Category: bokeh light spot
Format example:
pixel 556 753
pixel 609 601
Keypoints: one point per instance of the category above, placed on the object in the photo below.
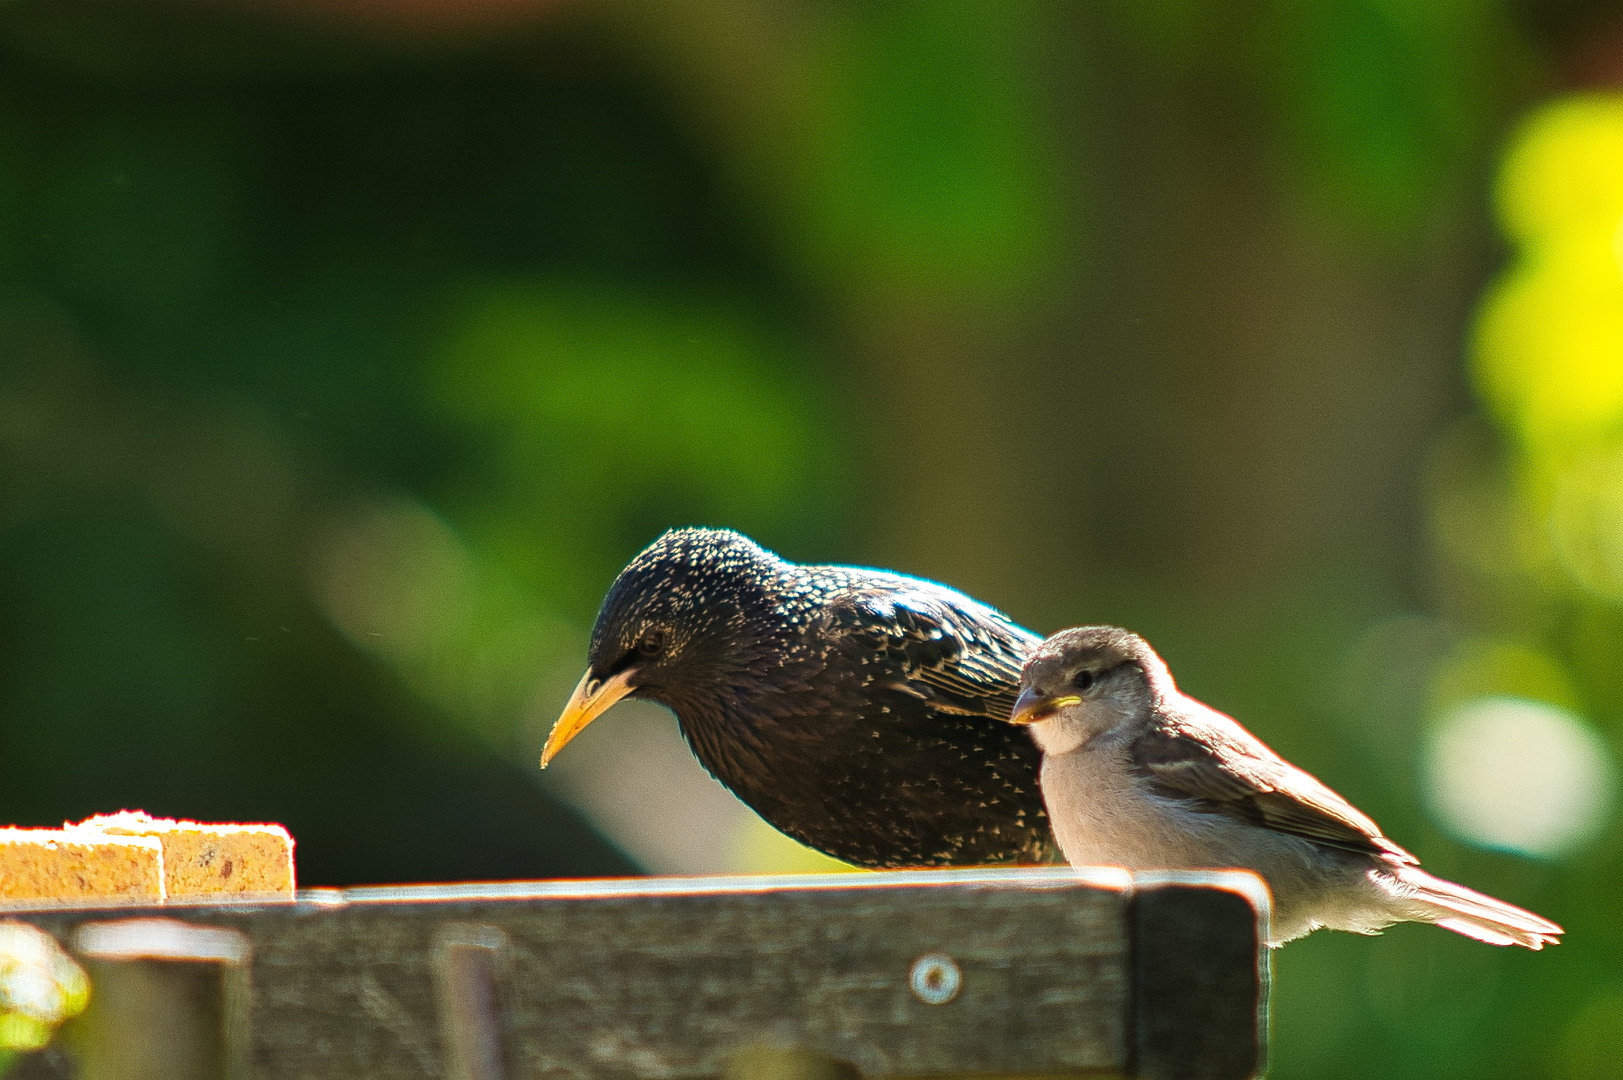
pixel 1564 171
pixel 1549 344
pixel 1518 775
pixel 40 987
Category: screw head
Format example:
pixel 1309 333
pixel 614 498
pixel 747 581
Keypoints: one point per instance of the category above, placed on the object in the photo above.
pixel 935 978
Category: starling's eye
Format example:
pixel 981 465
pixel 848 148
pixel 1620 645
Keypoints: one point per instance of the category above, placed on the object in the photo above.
pixel 652 642
pixel 1083 679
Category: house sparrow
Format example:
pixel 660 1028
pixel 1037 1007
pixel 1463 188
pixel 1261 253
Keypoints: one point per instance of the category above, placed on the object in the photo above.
pixel 1137 774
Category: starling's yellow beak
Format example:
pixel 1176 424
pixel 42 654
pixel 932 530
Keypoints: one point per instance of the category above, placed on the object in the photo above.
pixel 1034 705
pixel 590 700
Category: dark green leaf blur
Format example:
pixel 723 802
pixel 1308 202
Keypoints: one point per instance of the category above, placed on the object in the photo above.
pixel 348 348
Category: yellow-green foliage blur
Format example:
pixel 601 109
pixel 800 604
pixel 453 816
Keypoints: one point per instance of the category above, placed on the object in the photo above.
pixel 349 348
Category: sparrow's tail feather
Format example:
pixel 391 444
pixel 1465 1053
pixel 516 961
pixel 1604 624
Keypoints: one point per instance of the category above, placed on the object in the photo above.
pixel 1466 911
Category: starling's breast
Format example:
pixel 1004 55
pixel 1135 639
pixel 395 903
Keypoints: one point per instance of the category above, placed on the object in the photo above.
pixel 874 776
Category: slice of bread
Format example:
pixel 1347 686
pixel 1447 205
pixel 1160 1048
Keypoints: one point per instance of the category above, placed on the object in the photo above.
pixel 208 860
pixel 41 864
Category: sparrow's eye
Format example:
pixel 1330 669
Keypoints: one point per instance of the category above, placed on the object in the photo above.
pixel 1083 679
pixel 652 642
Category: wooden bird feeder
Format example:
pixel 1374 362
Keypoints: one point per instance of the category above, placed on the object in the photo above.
pixel 1024 972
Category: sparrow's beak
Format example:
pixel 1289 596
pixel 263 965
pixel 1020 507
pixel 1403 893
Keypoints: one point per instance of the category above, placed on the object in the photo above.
pixel 1034 705
pixel 591 699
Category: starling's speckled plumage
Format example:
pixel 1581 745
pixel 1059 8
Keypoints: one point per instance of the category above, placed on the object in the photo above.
pixel 864 713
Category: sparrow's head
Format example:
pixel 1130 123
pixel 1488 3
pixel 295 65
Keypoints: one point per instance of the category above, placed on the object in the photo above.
pixel 677 619
pixel 1091 677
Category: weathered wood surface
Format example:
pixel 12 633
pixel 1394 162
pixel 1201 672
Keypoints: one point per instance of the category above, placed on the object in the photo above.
pixel 1040 971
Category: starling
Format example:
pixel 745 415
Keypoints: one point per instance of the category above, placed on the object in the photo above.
pixel 861 712
pixel 1137 774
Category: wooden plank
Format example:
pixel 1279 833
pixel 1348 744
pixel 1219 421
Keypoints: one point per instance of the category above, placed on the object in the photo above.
pixel 1198 977
pixel 1037 971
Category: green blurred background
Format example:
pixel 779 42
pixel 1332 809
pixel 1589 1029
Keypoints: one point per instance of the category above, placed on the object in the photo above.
pixel 349 347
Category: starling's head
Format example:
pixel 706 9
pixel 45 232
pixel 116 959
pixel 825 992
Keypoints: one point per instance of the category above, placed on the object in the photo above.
pixel 1089 677
pixel 676 618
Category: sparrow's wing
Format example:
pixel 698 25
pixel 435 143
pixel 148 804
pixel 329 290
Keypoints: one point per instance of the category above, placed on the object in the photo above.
pixel 930 643
pixel 1200 755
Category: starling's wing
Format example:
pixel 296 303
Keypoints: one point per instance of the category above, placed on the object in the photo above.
pixel 1199 755
pixel 922 681
pixel 931 643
